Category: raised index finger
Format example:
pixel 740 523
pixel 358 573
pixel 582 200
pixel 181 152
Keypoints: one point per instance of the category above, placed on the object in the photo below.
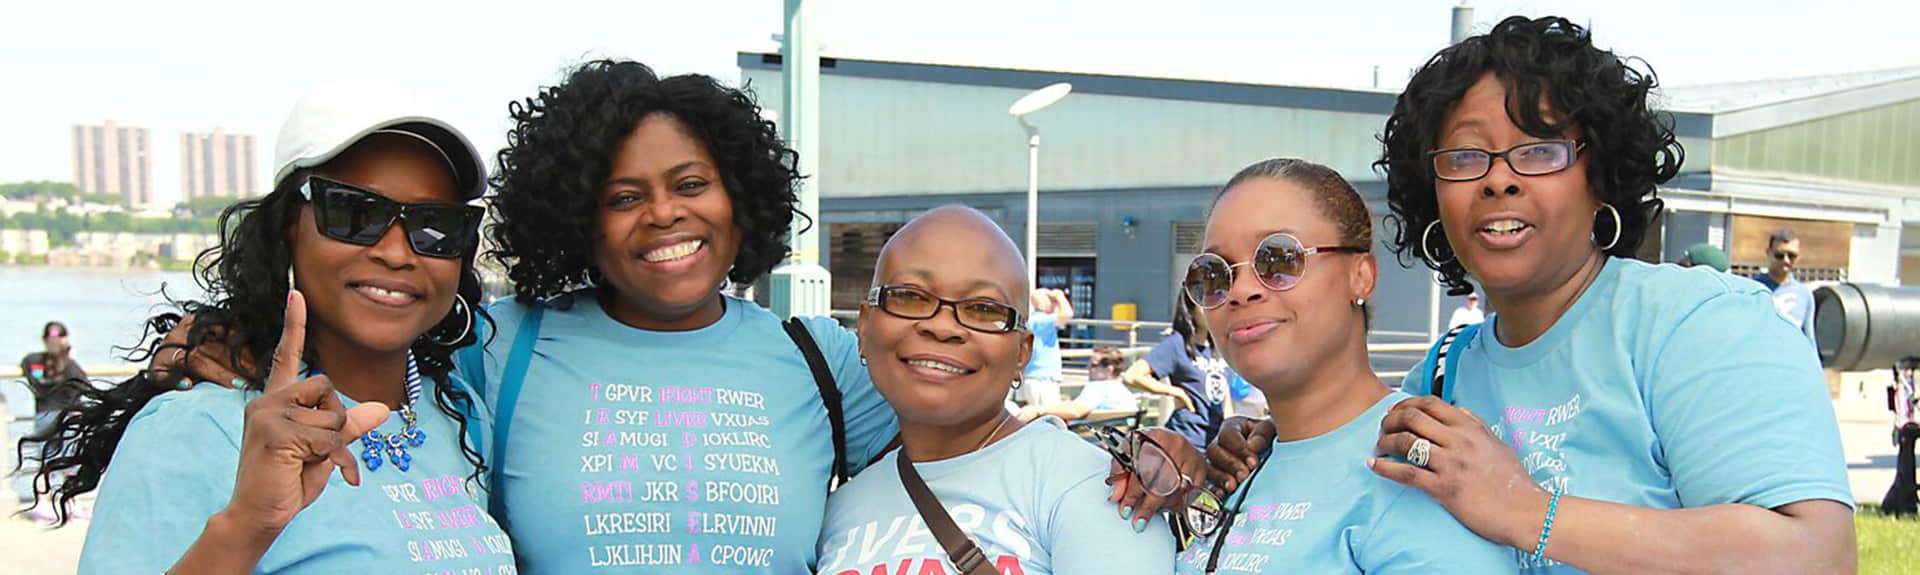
pixel 293 342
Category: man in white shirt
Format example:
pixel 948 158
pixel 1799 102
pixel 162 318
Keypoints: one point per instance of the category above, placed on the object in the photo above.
pixel 1467 314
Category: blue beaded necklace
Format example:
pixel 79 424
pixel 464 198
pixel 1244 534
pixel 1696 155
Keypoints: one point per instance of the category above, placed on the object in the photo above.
pixel 395 446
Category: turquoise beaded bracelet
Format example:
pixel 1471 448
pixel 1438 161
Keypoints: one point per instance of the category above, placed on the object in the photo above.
pixel 1547 527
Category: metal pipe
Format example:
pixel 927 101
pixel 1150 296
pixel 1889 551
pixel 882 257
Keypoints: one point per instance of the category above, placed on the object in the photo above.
pixel 1864 326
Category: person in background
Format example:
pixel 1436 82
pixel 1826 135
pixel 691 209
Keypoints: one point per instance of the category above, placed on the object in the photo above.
pixel 1248 400
pixel 1790 297
pixel 1051 312
pixel 1195 379
pixel 1104 391
pixel 1903 497
pixel 56 379
pixel 57 382
pixel 1467 314
pixel 1704 254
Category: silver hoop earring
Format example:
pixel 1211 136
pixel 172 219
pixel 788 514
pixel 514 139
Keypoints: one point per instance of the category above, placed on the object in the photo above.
pixel 1019 380
pixel 465 310
pixel 1426 247
pixel 1616 226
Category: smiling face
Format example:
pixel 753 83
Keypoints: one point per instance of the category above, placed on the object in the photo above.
pixel 935 371
pixel 1274 338
pixel 666 230
pixel 378 297
pixel 1517 235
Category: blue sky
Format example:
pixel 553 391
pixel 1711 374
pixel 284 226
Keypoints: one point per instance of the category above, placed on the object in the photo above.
pixel 193 65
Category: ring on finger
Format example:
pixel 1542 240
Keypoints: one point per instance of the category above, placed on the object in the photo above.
pixel 1420 453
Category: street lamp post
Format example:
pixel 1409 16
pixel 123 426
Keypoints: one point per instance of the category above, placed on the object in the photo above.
pixel 1033 102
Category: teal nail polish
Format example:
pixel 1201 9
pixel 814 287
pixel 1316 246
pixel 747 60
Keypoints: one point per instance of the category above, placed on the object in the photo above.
pixel 1126 512
pixel 1140 525
pixel 238 383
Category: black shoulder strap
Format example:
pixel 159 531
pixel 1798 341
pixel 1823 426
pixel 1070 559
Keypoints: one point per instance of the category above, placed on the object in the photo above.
pixel 961 550
pixel 829 394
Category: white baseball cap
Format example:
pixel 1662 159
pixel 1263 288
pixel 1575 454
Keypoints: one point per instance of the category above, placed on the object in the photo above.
pixel 333 118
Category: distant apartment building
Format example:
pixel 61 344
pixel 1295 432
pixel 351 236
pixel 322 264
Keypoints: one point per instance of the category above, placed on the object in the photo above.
pixel 217 164
pixel 124 249
pixel 114 159
pixel 23 243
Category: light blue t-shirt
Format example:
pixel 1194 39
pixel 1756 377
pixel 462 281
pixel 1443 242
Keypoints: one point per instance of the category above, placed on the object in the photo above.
pixel 1661 387
pixel 175 467
pixel 704 451
pixel 1035 502
pixel 1045 363
pixel 1316 508
pixel 1107 395
pixel 1794 301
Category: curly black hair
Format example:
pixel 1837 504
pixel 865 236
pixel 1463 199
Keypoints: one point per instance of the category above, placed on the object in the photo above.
pixel 1631 146
pixel 245 278
pixel 560 151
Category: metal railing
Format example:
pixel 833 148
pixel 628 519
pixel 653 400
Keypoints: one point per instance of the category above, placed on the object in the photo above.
pixel 116 371
pixel 1139 336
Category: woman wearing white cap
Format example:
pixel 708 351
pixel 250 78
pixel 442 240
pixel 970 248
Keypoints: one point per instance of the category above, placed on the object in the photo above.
pixel 353 276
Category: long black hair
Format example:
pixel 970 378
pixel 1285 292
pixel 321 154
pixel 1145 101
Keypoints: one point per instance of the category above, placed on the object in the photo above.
pixel 1632 147
pixel 246 279
pixel 561 149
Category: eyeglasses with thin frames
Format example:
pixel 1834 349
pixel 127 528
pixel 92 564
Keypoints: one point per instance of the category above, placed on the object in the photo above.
pixel 1529 159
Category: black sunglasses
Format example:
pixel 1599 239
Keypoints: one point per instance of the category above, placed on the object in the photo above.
pixel 360 216
pixel 978 314
pixel 1279 262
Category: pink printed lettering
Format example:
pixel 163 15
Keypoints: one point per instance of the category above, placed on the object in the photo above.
pixel 611 491
pixel 436 488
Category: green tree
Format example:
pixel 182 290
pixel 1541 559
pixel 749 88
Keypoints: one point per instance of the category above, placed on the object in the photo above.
pixel 37 189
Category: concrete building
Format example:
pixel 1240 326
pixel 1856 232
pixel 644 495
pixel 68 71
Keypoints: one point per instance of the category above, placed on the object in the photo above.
pixel 1834 158
pixel 24 243
pixel 217 164
pixel 1128 165
pixel 126 249
pixel 115 160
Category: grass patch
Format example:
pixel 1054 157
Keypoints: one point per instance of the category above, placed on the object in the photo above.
pixel 1887 544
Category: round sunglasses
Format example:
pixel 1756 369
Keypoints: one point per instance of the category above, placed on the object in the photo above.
pixel 1278 262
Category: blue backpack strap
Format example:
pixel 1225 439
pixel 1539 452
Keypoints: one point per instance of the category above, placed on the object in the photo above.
pixel 510 383
pixel 1447 362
